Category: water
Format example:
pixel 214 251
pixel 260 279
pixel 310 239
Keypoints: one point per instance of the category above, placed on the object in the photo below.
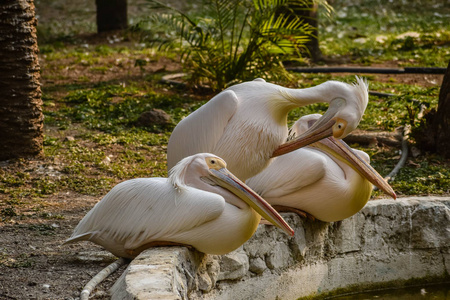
pixel 430 292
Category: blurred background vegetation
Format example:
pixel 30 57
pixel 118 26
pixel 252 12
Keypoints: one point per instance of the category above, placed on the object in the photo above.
pixel 96 86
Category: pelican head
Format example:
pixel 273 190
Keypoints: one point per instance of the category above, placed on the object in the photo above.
pixel 356 159
pixel 347 105
pixel 213 172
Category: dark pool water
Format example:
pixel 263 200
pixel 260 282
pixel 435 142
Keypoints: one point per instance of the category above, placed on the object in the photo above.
pixel 435 292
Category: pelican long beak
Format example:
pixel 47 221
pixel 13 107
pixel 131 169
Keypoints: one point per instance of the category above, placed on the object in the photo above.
pixel 340 149
pixel 225 179
pixel 321 129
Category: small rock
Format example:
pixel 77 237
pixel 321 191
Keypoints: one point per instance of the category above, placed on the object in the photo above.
pixel 233 266
pixel 69 139
pixel 46 288
pixel 153 117
pixel 204 282
pixel 213 269
pixel 279 257
pixel 257 265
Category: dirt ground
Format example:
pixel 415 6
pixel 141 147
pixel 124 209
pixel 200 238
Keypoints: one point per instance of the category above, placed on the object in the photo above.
pixel 36 266
pixel 33 262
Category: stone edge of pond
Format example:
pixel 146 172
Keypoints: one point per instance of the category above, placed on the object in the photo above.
pixel 388 243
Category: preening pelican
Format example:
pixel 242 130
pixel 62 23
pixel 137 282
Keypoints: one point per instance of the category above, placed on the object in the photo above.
pixel 327 179
pixel 247 122
pixel 200 204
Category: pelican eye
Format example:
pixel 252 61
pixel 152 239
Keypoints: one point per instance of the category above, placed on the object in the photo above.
pixel 215 163
pixel 339 128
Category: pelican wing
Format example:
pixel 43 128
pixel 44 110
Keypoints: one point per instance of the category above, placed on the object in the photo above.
pixel 138 211
pixel 289 173
pixel 202 129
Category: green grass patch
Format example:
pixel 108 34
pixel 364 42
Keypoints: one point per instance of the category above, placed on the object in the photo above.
pixel 413 33
pixel 112 108
pixel 423 175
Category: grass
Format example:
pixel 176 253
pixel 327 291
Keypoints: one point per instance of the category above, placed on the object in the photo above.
pixel 415 34
pixel 94 93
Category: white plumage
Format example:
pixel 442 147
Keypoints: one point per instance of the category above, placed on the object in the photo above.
pixel 247 122
pixel 190 207
pixel 318 179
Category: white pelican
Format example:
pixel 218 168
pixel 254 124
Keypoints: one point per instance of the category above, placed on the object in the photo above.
pixel 200 204
pixel 328 180
pixel 247 122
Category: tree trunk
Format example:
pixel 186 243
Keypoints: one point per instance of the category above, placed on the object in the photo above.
pixel 21 119
pixel 111 15
pixel 306 11
pixel 309 14
pixel 441 122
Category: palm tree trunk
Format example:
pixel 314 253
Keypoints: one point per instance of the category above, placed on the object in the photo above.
pixel 309 13
pixel 21 119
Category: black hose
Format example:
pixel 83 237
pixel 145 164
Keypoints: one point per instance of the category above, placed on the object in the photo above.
pixel 406 70
pixel 380 94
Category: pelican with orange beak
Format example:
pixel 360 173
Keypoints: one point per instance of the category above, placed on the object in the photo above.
pixel 326 180
pixel 200 204
pixel 246 124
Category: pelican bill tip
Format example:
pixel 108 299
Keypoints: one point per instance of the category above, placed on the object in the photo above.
pixel 287 228
pixel 289 231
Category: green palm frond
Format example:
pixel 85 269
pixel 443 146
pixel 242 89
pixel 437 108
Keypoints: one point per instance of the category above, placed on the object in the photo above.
pixel 234 39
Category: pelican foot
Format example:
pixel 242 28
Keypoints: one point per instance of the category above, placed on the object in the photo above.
pixel 301 213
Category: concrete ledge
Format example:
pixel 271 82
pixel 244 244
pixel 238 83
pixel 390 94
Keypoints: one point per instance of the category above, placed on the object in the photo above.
pixel 387 243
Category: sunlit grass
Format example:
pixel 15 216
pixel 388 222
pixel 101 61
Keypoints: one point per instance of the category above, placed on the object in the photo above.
pixel 413 33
